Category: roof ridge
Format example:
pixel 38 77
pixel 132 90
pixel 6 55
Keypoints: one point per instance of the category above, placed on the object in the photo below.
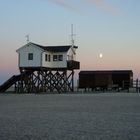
pixel 52 48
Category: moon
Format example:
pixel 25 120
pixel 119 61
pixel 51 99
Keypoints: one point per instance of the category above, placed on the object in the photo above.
pixel 100 55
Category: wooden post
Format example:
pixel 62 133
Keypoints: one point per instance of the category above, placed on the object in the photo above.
pixel 72 80
pixel 45 80
pixel 137 85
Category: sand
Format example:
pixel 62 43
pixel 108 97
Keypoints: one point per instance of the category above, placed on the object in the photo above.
pixel 102 116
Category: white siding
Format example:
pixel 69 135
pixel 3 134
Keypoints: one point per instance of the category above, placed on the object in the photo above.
pixel 46 63
pixel 71 55
pixel 23 53
pixel 55 64
pixel 39 57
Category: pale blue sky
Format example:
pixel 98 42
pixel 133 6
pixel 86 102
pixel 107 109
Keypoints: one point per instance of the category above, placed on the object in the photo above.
pixel 111 27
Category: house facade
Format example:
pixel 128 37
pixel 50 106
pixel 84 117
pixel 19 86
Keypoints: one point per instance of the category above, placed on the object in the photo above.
pixel 33 55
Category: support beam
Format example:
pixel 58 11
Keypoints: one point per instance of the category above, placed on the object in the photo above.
pixel 45 81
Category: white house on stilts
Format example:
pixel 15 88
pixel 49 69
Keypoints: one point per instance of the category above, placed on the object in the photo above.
pixel 46 68
pixel 34 56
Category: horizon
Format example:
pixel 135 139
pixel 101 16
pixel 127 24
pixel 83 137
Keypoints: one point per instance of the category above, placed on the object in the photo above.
pixel 107 32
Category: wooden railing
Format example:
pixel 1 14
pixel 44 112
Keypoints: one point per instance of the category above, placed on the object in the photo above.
pixel 71 64
pixel 136 84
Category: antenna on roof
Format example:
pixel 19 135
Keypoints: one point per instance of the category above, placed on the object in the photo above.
pixel 27 38
pixel 72 43
pixel 72 36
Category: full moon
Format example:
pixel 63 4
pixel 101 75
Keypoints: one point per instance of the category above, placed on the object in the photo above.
pixel 100 55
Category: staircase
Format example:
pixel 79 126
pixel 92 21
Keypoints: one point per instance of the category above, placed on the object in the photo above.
pixel 9 83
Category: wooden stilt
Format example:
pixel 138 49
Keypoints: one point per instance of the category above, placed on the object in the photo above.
pixel 45 81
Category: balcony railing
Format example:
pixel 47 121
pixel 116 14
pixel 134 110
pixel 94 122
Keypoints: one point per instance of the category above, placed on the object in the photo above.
pixel 71 64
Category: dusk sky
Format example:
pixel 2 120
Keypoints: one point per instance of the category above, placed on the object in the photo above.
pixel 110 27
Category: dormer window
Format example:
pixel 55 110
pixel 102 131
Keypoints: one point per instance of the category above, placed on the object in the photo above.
pixel 30 56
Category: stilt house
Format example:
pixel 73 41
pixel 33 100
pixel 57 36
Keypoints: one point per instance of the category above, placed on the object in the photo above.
pixel 44 69
pixel 36 56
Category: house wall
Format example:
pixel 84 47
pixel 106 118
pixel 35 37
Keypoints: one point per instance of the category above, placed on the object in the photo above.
pixel 39 57
pixel 23 56
pixel 46 63
pixel 54 64
pixel 71 55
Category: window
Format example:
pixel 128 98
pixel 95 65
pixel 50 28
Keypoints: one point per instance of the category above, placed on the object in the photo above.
pixel 54 57
pixel 60 57
pixel 30 56
pixel 47 57
pixel 57 57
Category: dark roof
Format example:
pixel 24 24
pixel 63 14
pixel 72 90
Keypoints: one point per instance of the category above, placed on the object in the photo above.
pixel 107 72
pixel 57 48
pixel 63 48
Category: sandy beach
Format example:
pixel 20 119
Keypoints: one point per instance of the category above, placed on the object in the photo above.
pixel 101 116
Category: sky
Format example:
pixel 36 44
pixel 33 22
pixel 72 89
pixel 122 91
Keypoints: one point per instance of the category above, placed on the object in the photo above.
pixel 110 27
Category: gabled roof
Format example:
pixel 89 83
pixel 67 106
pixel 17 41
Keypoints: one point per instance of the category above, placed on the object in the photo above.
pixel 63 48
